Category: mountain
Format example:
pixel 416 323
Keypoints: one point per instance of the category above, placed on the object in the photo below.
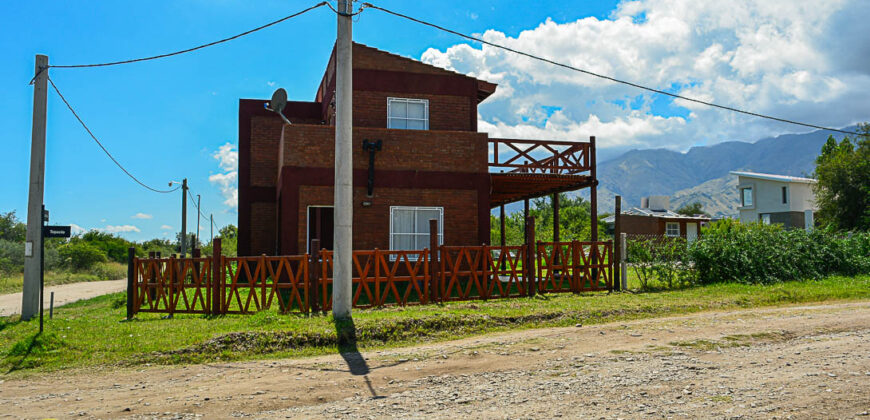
pixel 701 173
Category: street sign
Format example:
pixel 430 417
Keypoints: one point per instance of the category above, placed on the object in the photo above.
pixel 56 231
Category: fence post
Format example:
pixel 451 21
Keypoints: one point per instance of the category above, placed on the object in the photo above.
pixel 532 252
pixel 622 262
pixel 131 281
pixel 173 277
pixel 575 265
pixel 217 271
pixel 434 279
pixel 616 257
pixel 314 277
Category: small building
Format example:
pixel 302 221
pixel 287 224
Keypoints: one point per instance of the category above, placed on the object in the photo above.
pixel 780 199
pixel 654 218
pixel 417 155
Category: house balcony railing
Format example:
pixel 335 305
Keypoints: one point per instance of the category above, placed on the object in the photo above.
pixel 541 156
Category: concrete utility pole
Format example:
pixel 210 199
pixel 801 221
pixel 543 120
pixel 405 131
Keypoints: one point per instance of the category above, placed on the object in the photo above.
pixel 343 222
pixel 33 245
pixel 183 217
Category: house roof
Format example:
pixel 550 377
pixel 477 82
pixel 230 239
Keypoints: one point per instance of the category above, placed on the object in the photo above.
pixel 663 214
pixel 772 177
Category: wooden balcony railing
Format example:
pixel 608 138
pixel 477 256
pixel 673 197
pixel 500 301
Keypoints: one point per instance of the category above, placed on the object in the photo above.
pixel 541 156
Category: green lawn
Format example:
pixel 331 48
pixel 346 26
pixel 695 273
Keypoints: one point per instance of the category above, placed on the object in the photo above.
pixel 11 283
pixel 89 333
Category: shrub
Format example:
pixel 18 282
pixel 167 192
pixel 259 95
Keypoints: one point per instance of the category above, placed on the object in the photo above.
pixel 662 258
pixel 81 255
pixel 758 253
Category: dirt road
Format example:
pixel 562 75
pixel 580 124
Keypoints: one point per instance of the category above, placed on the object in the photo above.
pixel 797 362
pixel 65 293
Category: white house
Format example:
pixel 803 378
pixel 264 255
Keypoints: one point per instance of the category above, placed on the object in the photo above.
pixel 786 200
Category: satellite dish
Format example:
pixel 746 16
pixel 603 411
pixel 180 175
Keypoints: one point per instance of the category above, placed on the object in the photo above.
pixel 279 101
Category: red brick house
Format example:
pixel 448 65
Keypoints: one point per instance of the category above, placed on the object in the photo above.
pixel 429 161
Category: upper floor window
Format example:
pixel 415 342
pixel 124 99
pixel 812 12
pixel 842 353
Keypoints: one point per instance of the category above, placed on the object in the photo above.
pixel 784 195
pixel 746 196
pixel 409 114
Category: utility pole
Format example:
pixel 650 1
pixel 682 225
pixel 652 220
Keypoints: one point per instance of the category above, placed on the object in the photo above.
pixel 183 217
pixel 33 246
pixel 343 222
pixel 198 213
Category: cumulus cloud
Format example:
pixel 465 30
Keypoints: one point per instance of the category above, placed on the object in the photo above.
pixel 141 216
pixel 785 60
pixel 120 229
pixel 227 180
pixel 166 227
pixel 76 229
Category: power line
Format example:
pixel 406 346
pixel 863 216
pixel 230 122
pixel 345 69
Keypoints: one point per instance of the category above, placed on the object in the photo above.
pixel 556 63
pixel 135 60
pixel 101 144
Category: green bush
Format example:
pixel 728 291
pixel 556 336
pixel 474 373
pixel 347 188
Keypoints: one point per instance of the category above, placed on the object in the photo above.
pixel 109 271
pixel 659 258
pixel 81 255
pixel 729 251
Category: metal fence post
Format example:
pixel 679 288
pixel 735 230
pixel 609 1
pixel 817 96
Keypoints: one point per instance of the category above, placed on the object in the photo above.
pixel 622 262
pixel 131 281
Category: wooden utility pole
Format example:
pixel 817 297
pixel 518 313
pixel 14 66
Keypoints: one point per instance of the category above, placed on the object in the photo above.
pixel 183 217
pixel 33 246
pixel 617 248
pixel 343 222
pixel 593 203
pixel 198 213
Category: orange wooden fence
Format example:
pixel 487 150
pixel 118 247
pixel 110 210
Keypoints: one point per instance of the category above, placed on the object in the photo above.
pixel 303 283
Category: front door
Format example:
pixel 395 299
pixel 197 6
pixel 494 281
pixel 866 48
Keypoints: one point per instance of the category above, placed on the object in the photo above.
pixel 320 226
pixel 691 232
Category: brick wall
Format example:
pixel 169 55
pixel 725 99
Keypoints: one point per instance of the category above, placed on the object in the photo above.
pixel 372 224
pixel 313 146
pixel 262 228
pixel 446 112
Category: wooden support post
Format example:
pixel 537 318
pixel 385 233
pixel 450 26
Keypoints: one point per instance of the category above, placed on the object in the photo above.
pixel 622 264
pixel 131 281
pixel 173 277
pixel 195 253
pixel 502 242
pixel 314 277
pixel 556 237
pixel 617 250
pixel 434 266
pixel 531 246
pixel 593 202
pixel 217 277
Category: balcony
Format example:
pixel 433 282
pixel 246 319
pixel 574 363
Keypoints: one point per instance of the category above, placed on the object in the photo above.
pixel 524 169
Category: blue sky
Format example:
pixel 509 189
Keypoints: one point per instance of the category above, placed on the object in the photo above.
pixel 165 119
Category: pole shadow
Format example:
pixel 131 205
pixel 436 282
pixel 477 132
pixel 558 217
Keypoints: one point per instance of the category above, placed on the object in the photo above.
pixel 347 347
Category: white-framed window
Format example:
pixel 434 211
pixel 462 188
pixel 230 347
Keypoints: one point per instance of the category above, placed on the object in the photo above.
pixel 409 227
pixel 672 229
pixel 408 114
pixel 765 218
pixel 746 196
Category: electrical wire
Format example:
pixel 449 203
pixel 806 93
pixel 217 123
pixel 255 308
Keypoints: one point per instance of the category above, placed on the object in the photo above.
pixel 136 60
pixel 612 79
pixel 101 144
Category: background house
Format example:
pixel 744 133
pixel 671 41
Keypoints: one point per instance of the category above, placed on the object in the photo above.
pixel 655 218
pixel 768 198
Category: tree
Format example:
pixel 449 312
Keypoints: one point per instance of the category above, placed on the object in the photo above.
pixel 81 255
pixel 11 229
pixel 692 209
pixel 843 188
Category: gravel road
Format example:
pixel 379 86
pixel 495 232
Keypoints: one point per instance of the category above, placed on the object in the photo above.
pixel 65 293
pixel 792 362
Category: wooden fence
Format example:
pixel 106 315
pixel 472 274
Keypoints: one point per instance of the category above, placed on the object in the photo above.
pixel 303 283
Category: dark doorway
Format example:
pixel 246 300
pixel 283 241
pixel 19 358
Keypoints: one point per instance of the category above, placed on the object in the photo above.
pixel 320 226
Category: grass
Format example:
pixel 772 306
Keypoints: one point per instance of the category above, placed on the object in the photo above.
pixel 11 283
pixel 89 334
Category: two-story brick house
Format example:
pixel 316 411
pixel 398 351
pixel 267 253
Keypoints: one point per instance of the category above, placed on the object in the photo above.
pixel 429 161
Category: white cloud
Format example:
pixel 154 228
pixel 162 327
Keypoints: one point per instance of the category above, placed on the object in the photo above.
pixel 120 228
pixel 141 216
pixel 166 227
pixel 76 229
pixel 792 61
pixel 227 180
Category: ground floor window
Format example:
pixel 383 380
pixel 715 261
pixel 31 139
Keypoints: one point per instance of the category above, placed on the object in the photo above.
pixel 672 229
pixel 409 226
